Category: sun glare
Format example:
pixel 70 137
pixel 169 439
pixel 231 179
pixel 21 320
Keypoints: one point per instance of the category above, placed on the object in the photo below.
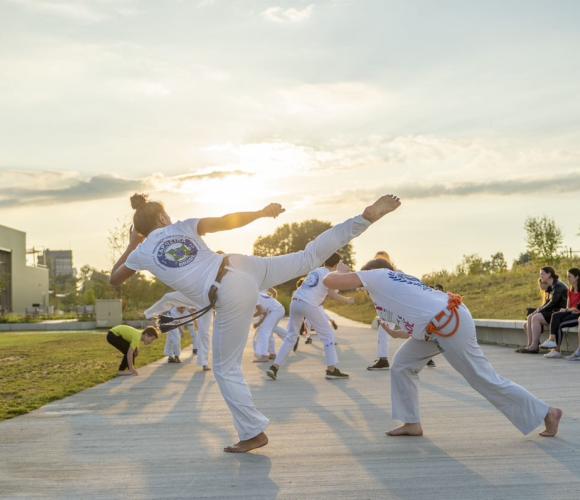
pixel 230 193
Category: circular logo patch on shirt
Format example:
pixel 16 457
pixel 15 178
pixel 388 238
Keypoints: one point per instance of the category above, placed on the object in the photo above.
pixel 312 280
pixel 176 252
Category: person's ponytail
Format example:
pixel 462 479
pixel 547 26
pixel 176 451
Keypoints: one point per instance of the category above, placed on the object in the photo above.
pixel 146 217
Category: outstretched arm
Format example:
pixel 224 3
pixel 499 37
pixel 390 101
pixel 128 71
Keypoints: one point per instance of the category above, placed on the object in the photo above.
pixel 238 219
pixel 393 332
pixel 334 295
pixel 342 281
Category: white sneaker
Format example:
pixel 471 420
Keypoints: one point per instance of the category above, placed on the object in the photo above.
pixel 549 344
pixel 553 355
pixel 574 357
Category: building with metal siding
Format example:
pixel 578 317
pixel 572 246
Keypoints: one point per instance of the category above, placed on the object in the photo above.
pixel 22 287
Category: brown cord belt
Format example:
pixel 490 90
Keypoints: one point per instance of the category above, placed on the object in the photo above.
pixel 167 323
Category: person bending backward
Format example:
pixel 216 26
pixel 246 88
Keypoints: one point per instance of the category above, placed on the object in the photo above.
pixel 270 312
pixel 126 339
pixel 307 304
pixel 435 322
pixel 176 254
pixel 178 300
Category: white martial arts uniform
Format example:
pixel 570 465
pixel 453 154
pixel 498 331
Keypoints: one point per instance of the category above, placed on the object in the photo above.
pixel 177 255
pixel 172 299
pixel 265 343
pixel 173 337
pixel 415 305
pixel 382 343
pixel 202 338
pixel 307 304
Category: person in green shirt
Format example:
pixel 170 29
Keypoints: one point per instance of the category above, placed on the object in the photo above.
pixel 126 339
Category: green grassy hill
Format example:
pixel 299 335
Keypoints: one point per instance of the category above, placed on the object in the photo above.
pixel 504 295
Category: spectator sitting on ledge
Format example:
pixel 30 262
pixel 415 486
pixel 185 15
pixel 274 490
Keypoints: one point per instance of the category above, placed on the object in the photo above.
pixel 541 318
pixel 564 318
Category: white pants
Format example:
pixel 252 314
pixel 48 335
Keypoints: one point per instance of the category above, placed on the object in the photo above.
pixel 235 308
pixel 199 338
pixel 299 311
pixel 264 334
pixel 201 341
pixel 463 353
pixel 173 343
pixel 281 332
pixel 383 343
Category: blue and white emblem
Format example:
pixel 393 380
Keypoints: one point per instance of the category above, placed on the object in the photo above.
pixel 176 252
pixel 312 280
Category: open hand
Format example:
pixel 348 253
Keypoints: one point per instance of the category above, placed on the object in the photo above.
pixel 273 210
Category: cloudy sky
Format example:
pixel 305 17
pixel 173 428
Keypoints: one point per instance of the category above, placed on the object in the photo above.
pixel 470 111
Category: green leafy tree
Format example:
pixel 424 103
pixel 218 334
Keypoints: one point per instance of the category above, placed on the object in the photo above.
pixel 497 263
pixel 472 264
pixel 523 259
pixel 294 237
pixel 544 237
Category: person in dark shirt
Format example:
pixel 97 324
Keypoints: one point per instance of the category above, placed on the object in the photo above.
pixel 540 319
pixel 564 318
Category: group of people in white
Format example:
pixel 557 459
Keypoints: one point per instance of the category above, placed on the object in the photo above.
pixel 235 289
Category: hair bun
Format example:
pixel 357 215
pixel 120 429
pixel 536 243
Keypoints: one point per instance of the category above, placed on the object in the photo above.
pixel 138 200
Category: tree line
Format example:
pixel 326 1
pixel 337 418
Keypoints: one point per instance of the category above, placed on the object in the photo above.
pixel 544 241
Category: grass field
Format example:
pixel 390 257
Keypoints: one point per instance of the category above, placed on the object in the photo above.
pixel 37 368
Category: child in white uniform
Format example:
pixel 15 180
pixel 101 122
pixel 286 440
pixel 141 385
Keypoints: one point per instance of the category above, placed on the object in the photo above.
pixel 173 299
pixel 307 304
pixel 270 312
pixel 173 337
pixel 177 255
pixel 435 322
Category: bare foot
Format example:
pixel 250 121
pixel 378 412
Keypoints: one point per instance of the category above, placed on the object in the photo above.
pixel 381 207
pixel 248 444
pixel 552 422
pixel 407 430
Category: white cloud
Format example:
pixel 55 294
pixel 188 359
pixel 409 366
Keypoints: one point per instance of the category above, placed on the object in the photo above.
pixel 80 10
pixel 330 100
pixel 289 15
pixel 21 188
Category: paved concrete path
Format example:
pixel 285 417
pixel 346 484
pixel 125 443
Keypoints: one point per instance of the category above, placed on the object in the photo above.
pixel 160 435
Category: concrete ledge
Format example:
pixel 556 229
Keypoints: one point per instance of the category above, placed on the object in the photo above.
pixel 511 333
pixel 500 323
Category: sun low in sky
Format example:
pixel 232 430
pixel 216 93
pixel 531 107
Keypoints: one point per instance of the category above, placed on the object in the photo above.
pixel 468 111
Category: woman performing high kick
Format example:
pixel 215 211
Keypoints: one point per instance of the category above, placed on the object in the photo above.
pixel 176 254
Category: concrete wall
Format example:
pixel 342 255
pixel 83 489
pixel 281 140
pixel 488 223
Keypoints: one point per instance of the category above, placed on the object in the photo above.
pixel 29 284
pixel 511 333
